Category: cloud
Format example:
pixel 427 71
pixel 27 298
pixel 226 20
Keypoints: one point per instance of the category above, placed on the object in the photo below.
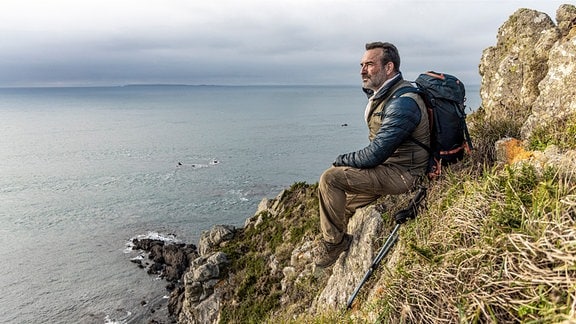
pixel 104 42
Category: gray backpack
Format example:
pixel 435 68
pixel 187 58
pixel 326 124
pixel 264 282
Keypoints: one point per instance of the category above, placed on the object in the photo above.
pixel 444 95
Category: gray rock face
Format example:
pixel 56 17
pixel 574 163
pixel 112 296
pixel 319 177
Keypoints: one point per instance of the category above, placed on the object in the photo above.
pixel 210 240
pixel 368 229
pixel 512 69
pixel 557 98
pixel 529 74
pixel 201 300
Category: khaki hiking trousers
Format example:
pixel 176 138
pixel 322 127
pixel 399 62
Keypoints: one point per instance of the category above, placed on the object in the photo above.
pixel 343 189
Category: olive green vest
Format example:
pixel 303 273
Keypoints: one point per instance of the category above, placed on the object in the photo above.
pixel 409 154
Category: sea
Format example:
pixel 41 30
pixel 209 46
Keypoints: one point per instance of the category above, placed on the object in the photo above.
pixel 85 170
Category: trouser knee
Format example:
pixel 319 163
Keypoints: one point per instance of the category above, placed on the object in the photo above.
pixel 329 178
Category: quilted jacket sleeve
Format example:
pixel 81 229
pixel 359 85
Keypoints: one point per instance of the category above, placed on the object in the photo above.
pixel 401 117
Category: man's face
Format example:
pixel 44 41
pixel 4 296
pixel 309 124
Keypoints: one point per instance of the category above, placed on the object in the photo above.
pixel 373 73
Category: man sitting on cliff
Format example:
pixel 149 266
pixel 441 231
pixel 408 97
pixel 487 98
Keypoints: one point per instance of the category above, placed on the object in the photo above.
pixel 390 164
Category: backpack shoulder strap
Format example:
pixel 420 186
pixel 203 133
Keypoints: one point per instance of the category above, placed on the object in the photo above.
pixel 404 90
pixel 422 94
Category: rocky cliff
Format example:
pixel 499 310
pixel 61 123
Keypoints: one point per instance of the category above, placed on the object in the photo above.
pixel 529 74
pixel 496 242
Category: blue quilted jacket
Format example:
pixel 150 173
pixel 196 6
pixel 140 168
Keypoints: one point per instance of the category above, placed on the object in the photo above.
pixel 392 121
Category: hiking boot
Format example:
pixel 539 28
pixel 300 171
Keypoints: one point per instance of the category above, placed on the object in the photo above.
pixel 328 253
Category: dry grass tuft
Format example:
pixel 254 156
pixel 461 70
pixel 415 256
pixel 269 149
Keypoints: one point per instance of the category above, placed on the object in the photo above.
pixel 496 249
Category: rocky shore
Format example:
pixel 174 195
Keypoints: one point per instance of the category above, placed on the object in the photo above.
pixel 166 260
pixel 173 261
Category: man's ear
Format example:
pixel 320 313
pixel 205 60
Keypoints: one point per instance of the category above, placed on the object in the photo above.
pixel 389 68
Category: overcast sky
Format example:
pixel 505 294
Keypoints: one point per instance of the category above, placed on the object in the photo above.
pixel 115 42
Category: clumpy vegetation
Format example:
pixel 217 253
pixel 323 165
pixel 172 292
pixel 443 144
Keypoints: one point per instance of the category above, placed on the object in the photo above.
pixel 503 251
pixel 258 286
pixel 562 134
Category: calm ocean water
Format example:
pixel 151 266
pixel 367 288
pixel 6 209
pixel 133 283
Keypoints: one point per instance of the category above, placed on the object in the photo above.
pixel 84 170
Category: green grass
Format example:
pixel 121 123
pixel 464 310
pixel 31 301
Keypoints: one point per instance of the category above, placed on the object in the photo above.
pixel 257 290
pixel 561 134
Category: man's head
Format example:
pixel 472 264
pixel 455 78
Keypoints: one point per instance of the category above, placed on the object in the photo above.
pixel 379 63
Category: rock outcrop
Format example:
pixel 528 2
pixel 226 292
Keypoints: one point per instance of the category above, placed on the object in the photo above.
pixel 529 75
pixel 202 299
pixel 366 225
pixel 168 260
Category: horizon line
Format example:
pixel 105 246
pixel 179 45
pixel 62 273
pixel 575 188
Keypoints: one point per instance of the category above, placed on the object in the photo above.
pixel 129 85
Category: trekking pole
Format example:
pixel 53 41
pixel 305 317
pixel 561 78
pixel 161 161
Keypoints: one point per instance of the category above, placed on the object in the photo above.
pixel 401 217
pixel 383 251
